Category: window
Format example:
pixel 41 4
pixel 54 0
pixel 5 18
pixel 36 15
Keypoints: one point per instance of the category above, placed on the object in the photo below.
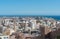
pixel 0 38
pixel 5 37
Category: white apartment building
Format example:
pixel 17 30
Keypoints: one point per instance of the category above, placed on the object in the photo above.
pixel 33 23
pixel 4 37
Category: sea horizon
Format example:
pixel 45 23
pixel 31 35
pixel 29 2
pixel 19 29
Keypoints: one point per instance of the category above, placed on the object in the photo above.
pixel 57 17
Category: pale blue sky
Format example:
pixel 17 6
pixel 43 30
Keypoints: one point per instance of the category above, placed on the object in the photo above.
pixel 29 7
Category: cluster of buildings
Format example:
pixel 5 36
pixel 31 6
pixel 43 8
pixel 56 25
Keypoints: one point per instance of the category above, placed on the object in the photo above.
pixel 29 28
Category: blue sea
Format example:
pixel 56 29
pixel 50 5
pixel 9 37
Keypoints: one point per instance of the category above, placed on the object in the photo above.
pixel 54 17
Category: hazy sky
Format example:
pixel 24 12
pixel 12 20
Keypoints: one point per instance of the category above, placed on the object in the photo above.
pixel 29 7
